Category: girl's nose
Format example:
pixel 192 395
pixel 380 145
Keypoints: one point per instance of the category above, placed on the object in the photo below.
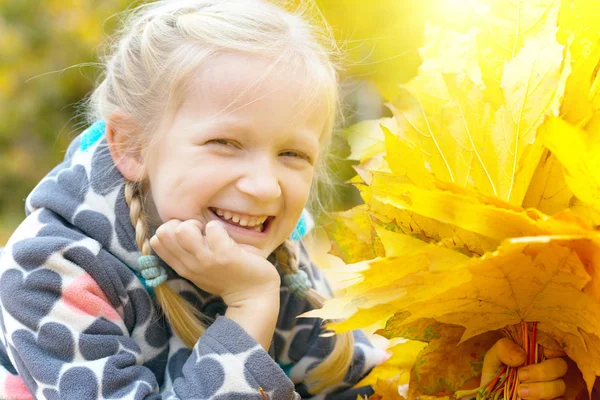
pixel 260 182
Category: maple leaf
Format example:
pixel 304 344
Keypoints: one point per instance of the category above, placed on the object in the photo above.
pixel 548 191
pixel 582 347
pixel 391 283
pixel 579 30
pixel 470 142
pixel 391 217
pixel 579 153
pixel 366 139
pixel 469 210
pixel 357 238
pixel 505 26
pixel 445 365
pixel 397 367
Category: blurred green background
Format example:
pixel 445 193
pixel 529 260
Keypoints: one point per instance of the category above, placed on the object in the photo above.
pixel 48 49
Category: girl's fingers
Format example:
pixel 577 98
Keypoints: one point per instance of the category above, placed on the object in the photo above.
pixel 190 237
pixel 166 234
pixel 504 351
pixel 170 246
pixel 167 256
pixel 548 370
pixel 550 353
pixel 542 390
pixel 218 239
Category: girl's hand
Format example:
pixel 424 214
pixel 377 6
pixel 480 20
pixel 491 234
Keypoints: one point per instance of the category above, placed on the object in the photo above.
pixel 538 381
pixel 215 263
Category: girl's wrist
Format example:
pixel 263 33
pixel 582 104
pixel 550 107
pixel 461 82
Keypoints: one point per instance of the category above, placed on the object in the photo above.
pixel 258 317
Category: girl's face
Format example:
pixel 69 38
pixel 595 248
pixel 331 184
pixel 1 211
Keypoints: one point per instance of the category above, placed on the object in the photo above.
pixel 238 151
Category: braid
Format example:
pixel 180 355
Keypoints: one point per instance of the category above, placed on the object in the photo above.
pixel 182 316
pixel 334 368
pixel 286 258
pixel 138 218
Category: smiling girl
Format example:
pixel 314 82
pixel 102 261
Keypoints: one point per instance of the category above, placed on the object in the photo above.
pixel 156 260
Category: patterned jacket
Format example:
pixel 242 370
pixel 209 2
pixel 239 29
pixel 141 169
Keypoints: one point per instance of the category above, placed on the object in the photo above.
pixel 77 323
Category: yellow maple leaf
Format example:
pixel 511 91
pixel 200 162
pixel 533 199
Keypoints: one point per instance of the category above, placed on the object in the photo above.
pixel 356 238
pixel 387 389
pixel 548 191
pixel 366 139
pixel 400 219
pixel 583 348
pixel 464 139
pixel 397 367
pixel 392 283
pixel 445 365
pixel 579 29
pixel 469 210
pixel 403 159
pixel 505 26
pixel 579 153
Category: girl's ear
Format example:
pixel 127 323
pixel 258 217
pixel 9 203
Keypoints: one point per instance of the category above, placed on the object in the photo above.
pixel 121 134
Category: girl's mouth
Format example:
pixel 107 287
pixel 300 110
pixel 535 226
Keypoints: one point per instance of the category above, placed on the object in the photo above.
pixel 250 222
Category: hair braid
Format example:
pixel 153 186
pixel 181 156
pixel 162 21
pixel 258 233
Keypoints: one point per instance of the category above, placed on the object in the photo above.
pixel 334 368
pixel 182 316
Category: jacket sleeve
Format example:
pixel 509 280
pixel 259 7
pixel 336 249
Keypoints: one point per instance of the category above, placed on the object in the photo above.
pixel 301 346
pixel 77 324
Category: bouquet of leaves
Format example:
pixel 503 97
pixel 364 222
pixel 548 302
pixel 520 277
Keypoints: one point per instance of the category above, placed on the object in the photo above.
pixel 481 202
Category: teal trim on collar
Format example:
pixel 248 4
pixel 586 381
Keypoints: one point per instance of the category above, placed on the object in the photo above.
pixel 92 135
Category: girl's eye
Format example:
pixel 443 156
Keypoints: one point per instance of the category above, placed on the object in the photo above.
pixel 224 142
pixel 296 154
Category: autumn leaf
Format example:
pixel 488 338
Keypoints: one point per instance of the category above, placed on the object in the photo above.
pixel 357 238
pixel 424 105
pixel 397 367
pixel 582 347
pixel 580 31
pixel 390 284
pixel 366 139
pixel 548 191
pixel 387 389
pixel 445 365
pixel 403 159
pixel 469 210
pixel 505 26
pixel 470 142
pixel 579 153
pixel 400 219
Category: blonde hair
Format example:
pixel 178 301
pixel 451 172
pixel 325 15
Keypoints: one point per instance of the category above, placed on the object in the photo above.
pixel 158 49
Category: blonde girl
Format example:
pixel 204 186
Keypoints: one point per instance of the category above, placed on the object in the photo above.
pixel 156 261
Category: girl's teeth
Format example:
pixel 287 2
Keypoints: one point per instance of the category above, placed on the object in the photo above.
pixel 250 222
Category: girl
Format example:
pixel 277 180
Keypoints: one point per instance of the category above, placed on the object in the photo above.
pixel 173 212
pixel 156 260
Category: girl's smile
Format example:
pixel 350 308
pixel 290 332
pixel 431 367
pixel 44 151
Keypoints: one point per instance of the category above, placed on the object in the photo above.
pixel 243 228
